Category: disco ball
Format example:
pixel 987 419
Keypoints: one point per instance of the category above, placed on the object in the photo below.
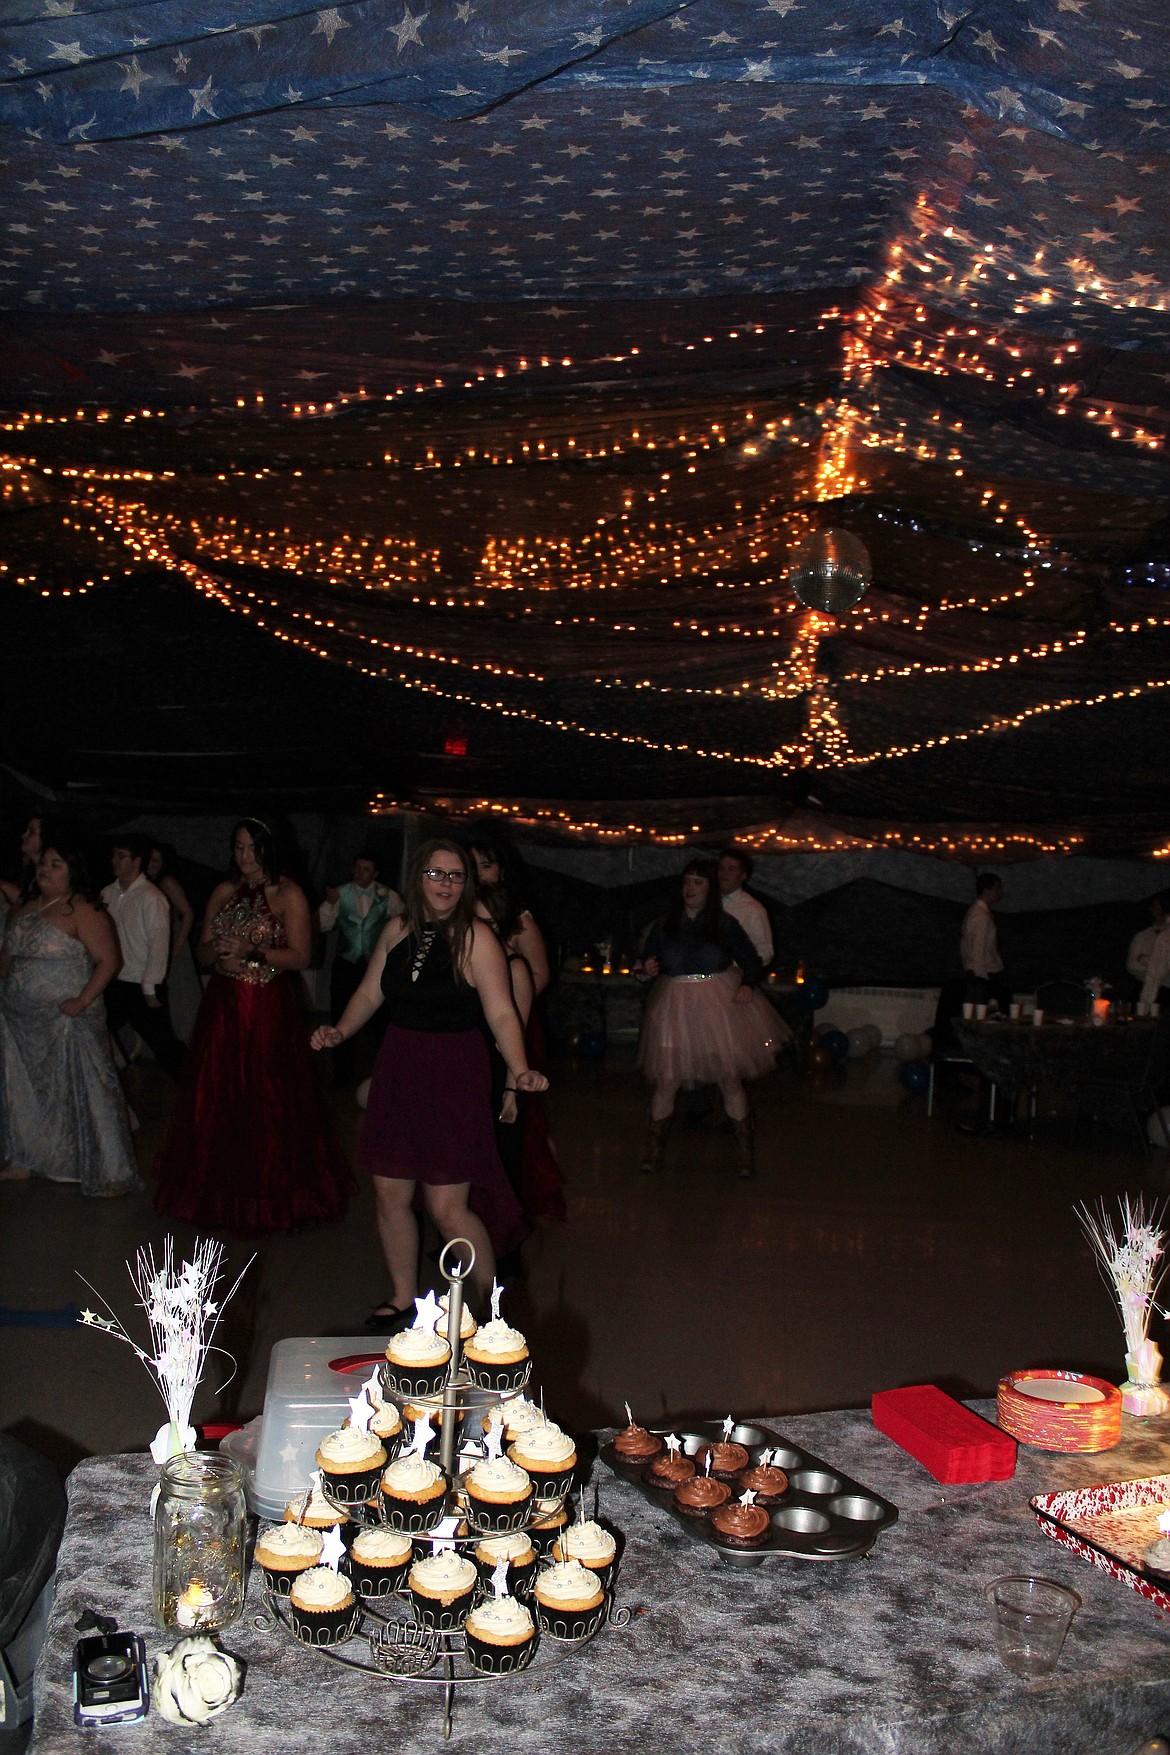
pixel 830 570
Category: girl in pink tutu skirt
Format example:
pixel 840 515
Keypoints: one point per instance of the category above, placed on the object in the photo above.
pixel 705 1020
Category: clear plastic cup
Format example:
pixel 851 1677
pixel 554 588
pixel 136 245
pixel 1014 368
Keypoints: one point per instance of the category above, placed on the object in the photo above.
pixel 968 1008
pixel 1032 1618
pixel 1038 1015
pixel 980 1013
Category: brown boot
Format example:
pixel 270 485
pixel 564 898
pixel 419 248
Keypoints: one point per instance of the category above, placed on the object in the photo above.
pixel 655 1145
pixel 744 1131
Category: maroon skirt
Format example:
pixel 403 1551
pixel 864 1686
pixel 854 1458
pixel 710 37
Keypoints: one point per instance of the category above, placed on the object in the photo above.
pixel 429 1120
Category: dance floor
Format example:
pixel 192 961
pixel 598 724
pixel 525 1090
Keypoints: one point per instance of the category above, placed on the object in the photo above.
pixel 876 1247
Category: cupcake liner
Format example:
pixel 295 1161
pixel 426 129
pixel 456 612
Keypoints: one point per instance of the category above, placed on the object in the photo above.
pixel 354 1487
pixel 393 1445
pixel 444 1617
pixel 550 1483
pixel 504 1379
pixel 542 1540
pixel 497 1660
pixel 498 1520
pixel 409 1381
pixel 570 1623
pixel 278 1580
pixel 325 1626
pixel 377 1581
pixel 519 1577
pixel 411 1516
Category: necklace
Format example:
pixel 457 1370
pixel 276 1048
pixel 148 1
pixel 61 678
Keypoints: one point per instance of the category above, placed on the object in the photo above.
pixel 42 907
pixel 420 956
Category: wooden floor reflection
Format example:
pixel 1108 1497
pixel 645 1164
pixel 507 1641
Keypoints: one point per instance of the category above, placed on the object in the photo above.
pixel 875 1247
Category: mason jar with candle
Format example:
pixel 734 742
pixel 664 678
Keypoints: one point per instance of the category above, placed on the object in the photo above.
pixel 200 1543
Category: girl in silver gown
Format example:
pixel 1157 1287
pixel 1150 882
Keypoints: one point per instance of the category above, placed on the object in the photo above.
pixel 63 1115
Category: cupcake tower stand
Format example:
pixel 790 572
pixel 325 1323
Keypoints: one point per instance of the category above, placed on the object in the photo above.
pixel 400 1649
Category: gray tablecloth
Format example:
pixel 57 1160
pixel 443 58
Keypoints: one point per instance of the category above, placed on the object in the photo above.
pixel 893 1653
pixel 1021 1057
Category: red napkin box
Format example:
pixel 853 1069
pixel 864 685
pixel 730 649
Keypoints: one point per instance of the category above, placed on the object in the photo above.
pixel 945 1437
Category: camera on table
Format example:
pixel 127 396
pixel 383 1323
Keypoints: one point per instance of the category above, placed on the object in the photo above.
pixel 110 1682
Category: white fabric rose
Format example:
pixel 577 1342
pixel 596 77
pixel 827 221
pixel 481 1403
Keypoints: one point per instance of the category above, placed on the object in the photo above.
pixel 195 1681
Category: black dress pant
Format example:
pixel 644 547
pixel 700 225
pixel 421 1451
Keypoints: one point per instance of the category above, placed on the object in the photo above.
pixel 126 1004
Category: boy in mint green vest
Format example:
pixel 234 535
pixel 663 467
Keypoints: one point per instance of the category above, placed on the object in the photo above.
pixel 357 911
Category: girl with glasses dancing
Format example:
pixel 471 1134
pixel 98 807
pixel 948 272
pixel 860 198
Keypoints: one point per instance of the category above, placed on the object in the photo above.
pixel 437 970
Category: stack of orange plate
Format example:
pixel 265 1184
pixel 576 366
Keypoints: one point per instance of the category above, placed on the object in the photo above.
pixel 1059 1410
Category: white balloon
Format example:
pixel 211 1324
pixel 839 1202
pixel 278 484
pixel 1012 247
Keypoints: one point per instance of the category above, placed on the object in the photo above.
pixel 362 1094
pixel 859 1043
pixel 907 1046
pixel 926 1044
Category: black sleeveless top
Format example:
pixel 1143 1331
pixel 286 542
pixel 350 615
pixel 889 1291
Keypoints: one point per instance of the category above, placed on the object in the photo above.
pixel 434 1001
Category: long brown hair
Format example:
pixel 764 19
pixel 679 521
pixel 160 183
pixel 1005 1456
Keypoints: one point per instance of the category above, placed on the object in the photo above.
pixel 459 925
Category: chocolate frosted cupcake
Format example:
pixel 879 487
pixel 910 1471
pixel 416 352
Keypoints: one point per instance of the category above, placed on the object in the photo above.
pixel 740 1525
pixel 379 1561
pixel 414 1494
pixel 442 1589
pixel 318 1513
pixel 497 1356
pixel 351 1463
pixel 702 1495
pixel 520 1554
pixel 667 1471
pixel 769 1484
pixel 499 1637
pixel 544 1530
pixel 592 1545
pixel 284 1553
pixel 728 1460
pixel 550 1456
pixel 499 1494
pixel 322 1609
pixel 570 1601
pixel 416 1362
pixel 635 1445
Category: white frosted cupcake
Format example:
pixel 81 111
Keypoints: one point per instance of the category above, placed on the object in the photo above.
pixel 467 1322
pixel 285 1552
pixel 442 1589
pixel 317 1513
pixel 351 1462
pixel 416 1362
pixel 379 1561
pixel 322 1609
pixel 414 1493
pixel 386 1425
pixel 517 1415
pixel 517 1549
pixel 569 1599
pixel 550 1456
pixel 499 1494
pixel 592 1545
pixel 497 1356
pixel 499 1637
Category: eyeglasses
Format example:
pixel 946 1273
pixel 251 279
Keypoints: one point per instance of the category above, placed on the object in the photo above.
pixel 445 877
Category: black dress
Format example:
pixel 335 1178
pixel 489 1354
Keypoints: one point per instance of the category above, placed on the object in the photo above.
pixel 429 1114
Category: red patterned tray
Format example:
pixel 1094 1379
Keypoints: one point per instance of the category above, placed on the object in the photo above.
pixel 1110 1526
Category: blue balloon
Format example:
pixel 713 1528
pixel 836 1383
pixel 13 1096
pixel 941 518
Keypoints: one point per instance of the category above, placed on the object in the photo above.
pixel 815 994
pixel 915 1076
pixel 836 1043
pixel 592 1045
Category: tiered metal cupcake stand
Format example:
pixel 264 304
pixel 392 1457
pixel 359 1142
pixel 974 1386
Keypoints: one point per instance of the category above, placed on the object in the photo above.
pixel 398 1648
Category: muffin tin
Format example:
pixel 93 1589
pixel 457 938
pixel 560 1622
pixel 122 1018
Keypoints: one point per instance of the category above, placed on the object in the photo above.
pixel 824 1515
